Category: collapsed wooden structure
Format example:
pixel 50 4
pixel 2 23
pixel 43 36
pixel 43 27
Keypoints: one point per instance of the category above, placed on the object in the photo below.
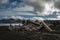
pixel 31 25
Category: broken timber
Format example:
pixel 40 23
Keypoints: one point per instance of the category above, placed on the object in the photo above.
pixel 45 25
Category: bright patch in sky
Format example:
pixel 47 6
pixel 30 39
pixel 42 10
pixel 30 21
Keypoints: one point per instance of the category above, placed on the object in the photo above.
pixel 47 7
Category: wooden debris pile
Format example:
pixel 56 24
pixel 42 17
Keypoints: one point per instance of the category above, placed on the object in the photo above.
pixel 28 25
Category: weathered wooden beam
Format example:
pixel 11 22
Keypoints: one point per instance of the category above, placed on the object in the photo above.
pixel 46 26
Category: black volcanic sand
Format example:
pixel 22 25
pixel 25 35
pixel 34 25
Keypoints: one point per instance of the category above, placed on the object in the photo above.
pixel 8 35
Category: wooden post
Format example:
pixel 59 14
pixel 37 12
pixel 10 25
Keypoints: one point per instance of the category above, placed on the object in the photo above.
pixel 46 26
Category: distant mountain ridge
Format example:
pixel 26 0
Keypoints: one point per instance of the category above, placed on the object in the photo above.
pixel 11 20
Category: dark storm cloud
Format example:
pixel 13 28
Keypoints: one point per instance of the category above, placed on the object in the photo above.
pixel 57 4
pixel 5 4
pixel 38 4
pixel 15 0
pixel 47 0
pixel 38 7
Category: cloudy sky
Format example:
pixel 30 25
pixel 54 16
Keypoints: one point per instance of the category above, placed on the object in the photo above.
pixel 16 7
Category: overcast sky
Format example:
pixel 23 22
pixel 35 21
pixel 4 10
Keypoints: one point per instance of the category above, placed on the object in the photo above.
pixel 13 7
